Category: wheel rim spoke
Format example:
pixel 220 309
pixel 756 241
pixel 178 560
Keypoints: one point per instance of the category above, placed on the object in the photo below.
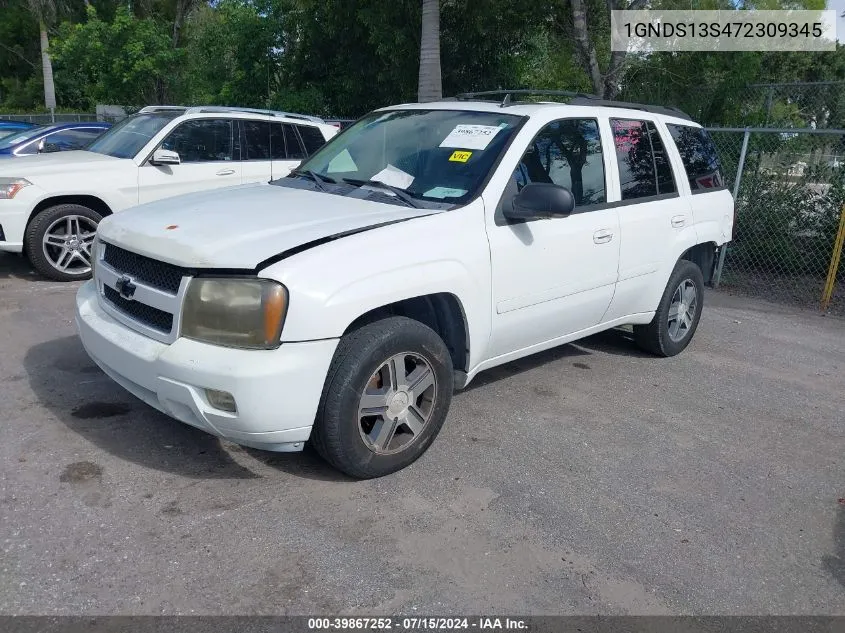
pixel 420 380
pixel 54 240
pixel 396 367
pixel 414 420
pixel 373 404
pixel 383 432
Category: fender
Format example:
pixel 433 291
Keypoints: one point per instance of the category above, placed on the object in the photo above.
pixel 332 284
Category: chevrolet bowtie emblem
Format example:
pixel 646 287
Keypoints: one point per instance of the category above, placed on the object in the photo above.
pixel 125 287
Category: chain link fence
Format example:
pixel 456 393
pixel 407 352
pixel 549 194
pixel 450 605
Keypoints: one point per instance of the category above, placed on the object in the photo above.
pixel 46 119
pixel 789 203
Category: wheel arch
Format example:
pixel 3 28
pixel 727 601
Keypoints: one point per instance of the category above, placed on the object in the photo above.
pixel 702 255
pixel 92 202
pixel 443 312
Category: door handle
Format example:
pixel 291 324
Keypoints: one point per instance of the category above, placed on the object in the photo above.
pixel 225 172
pixel 602 236
pixel 678 221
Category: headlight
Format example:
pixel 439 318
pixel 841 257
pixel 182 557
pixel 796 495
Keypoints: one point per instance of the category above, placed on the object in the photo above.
pixel 246 313
pixel 9 187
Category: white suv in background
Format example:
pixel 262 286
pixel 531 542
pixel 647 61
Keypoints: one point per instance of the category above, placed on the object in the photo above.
pixel 50 204
pixel 424 244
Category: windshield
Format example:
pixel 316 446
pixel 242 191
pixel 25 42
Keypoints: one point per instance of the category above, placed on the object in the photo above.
pixel 439 156
pixel 126 139
pixel 20 137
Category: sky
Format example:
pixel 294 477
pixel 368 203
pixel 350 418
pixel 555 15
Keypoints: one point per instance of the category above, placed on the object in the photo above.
pixel 839 7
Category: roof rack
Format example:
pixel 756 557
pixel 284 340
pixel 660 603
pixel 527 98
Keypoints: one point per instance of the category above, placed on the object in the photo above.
pixel 278 113
pixel 161 108
pixel 575 98
pixel 207 109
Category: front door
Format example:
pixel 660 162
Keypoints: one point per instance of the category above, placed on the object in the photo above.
pixel 208 161
pixel 555 277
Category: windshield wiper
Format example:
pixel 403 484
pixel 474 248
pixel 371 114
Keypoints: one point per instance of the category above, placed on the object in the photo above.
pixel 399 193
pixel 317 178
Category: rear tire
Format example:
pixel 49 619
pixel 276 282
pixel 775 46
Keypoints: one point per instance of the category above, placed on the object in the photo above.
pixel 58 241
pixel 677 315
pixel 385 399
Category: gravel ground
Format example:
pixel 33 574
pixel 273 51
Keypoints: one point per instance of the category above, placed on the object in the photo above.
pixel 588 479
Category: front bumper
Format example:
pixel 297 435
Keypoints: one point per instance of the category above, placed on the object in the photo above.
pixel 14 215
pixel 277 391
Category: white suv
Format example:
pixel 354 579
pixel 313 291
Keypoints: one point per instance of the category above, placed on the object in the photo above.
pixel 50 204
pixel 422 245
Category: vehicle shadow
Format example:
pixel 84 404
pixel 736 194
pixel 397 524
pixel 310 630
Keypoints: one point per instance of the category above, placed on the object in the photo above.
pixel 617 341
pixel 835 563
pixel 13 266
pixel 69 385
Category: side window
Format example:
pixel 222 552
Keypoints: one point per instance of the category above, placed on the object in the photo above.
pixel 567 153
pixel 256 140
pixel 292 142
pixel 312 137
pixel 202 140
pixel 277 142
pixel 699 156
pixel 73 139
pixel 644 168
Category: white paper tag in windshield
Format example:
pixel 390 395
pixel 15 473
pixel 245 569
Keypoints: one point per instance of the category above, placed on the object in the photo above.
pixel 444 192
pixel 471 136
pixel 391 175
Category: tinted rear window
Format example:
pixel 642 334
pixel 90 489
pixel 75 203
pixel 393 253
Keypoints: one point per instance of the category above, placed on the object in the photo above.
pixel 644 168
pixel 699 156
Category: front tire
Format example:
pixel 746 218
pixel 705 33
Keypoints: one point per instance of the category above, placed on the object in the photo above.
pixel 677 315
pixel 59 239
pixel 385 398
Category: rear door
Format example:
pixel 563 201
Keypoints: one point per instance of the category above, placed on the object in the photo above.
pixel 711 202
pixel 651 212
pixel 207 150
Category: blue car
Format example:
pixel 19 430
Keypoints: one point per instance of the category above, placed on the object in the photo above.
pixel 51 138
pixel 12 127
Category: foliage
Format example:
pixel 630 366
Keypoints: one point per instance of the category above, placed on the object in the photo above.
pixel 128 61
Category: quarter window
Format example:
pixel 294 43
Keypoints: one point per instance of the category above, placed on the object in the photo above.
pixel 701 162
pixel 202 140
pixel 295 150
pixel 312 137
pixel 644 168
pixel 567 153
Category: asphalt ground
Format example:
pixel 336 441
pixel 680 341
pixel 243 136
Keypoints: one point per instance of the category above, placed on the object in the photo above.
pixel 587 479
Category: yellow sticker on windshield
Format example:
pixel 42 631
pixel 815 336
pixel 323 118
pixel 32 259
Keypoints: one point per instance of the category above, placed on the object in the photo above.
pixel 459 156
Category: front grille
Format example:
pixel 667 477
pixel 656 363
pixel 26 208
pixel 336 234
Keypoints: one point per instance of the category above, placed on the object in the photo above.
pixel 149 316
pixel 160 275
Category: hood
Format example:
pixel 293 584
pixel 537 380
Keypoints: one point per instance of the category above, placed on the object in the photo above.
pixel 240 227
pixel 31 167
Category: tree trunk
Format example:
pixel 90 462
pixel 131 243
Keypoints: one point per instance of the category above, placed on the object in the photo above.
pixel 430 83
pixel 47 70
pixel 588 52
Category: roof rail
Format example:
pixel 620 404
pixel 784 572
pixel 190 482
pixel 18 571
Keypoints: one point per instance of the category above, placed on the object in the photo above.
pixel 290 115
pixel 575 98
pixel 161 108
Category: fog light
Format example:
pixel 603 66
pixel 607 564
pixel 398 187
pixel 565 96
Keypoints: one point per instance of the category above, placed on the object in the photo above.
pixel 222 400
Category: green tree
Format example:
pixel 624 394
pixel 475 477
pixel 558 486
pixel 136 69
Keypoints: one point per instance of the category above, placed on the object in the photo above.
pixel 128 61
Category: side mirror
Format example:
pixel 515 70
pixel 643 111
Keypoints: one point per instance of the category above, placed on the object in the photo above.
pixel 541 201
pixel 46 148
pixel 165 157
